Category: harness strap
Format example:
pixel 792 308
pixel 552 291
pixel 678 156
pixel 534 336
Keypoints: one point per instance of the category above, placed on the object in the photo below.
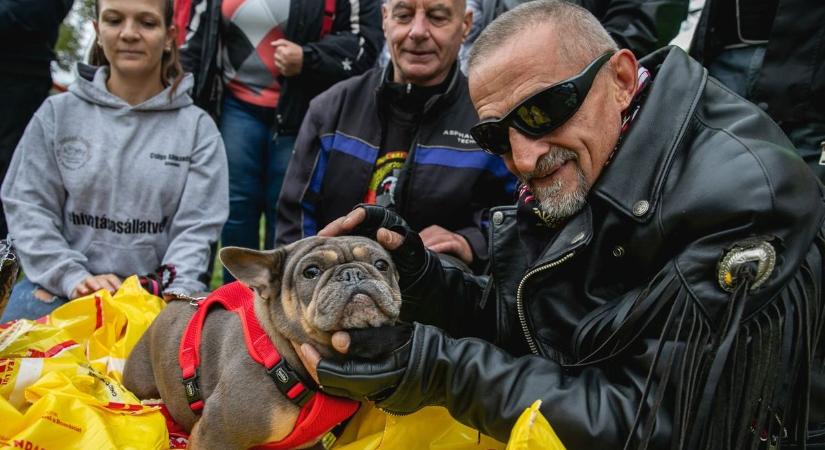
pixel 237 298
pixel 319 412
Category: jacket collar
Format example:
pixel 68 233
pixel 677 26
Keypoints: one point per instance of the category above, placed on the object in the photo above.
pixel 448 97
pixel 633 181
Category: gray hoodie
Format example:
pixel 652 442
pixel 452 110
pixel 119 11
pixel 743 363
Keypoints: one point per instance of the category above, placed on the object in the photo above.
pixel 99 186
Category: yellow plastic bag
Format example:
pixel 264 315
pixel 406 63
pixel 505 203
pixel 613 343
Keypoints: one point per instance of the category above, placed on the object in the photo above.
pixel 60 388
pixel 532 431
pixel 433 428
pixel 60 376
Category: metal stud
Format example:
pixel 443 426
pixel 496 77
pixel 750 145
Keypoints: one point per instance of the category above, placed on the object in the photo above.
pixel 618 251
pixel 498 217
pixel 640 208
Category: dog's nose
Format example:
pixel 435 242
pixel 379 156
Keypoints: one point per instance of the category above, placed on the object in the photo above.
pixel 351 275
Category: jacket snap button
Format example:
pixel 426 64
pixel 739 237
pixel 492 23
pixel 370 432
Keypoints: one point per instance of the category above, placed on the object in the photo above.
pixel 640 208
pixel 498 217
pixel 618 251
pixel 577 238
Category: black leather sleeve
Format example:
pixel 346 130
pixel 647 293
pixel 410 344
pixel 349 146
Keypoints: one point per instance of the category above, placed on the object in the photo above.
pixel 451 299
pixel 488 389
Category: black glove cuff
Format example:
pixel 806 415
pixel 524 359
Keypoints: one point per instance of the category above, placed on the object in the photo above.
pixel 411 258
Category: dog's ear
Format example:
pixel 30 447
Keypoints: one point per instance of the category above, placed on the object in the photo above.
pixel 260 270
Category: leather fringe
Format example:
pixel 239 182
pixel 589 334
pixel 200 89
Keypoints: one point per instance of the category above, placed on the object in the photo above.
pixel 743 383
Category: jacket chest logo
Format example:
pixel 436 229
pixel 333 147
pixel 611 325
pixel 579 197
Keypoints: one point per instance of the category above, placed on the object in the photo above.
pixel 73 152
pixel 170 159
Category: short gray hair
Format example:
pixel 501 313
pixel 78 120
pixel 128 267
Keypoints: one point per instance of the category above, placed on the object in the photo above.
pixel 581 37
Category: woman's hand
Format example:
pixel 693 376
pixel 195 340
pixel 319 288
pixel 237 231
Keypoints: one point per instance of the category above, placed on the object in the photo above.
pixel 289 57
pixel 93 283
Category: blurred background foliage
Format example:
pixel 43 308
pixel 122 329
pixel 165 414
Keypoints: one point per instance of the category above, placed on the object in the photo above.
pixel 75 34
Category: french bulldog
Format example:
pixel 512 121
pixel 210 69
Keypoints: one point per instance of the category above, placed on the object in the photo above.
pixel 304 292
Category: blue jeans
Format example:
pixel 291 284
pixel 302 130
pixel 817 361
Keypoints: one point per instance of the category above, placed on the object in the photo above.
pixel 24 305
pixel 257 164
pixel 738 69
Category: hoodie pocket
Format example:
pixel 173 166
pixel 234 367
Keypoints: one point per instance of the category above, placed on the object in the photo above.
pixel 122 260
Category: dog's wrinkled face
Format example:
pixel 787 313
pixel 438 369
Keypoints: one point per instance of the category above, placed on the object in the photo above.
pixel 319 285
pixel 342 284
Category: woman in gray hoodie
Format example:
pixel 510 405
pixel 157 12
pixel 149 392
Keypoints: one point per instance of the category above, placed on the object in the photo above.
pixel 119 175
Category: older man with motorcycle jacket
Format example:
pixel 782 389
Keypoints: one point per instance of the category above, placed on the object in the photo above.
pixel 659 282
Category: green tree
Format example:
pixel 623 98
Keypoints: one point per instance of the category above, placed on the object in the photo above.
pixel 70 46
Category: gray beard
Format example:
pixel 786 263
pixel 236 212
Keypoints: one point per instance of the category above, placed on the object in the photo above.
pixel 554 203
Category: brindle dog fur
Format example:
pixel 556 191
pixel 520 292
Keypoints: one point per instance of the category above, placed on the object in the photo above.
pixel 303 293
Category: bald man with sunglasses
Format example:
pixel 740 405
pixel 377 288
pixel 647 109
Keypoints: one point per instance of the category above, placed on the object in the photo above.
pixel 659 283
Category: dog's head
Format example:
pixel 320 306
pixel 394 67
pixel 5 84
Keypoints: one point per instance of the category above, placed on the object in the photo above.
pixel 319 285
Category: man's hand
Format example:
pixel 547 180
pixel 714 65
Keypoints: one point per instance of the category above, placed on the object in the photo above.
pixel 310 357
pixel 289 57
pixel 349 224
pixel 408 253
pixel 376 362
pixel 441 240
pixel 93 283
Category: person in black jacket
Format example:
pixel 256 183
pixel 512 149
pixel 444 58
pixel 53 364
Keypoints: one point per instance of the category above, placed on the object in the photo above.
pixel 28 33
pixel 657 285
pixel 399 137
pixel 771 53
pixel 258 64
pixel 641 26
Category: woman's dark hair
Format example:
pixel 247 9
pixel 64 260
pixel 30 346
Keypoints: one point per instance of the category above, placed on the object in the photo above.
pixel 171 72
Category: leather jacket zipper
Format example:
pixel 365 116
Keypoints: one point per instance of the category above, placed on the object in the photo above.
pixel 522 315
pixel 401 205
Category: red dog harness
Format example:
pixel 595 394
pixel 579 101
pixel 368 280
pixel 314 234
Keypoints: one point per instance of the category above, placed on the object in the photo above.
pixel 319 412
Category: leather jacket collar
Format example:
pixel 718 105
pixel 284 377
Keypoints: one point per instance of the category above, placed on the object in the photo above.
pixel 633 181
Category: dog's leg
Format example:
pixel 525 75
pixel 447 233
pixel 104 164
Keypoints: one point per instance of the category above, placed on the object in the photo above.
pixel 138 376
pixel 242 412
pixel 209 434
pixel 217 430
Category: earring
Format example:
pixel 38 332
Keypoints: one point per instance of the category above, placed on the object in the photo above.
pixel 167 49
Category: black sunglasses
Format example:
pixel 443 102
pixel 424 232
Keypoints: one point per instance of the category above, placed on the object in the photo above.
pixel 539 113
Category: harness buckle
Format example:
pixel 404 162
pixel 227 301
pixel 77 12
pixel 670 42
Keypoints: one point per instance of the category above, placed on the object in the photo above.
pixel 192 390
pixel 286 379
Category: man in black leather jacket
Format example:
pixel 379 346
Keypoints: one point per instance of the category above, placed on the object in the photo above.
pixel 659 283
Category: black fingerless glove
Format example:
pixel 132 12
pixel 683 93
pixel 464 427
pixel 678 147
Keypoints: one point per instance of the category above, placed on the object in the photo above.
pixel 379 217
pixel 411 258
pixel 374 365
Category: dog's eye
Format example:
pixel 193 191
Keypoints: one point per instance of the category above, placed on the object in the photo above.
pixel 382 265
pixel 312 272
